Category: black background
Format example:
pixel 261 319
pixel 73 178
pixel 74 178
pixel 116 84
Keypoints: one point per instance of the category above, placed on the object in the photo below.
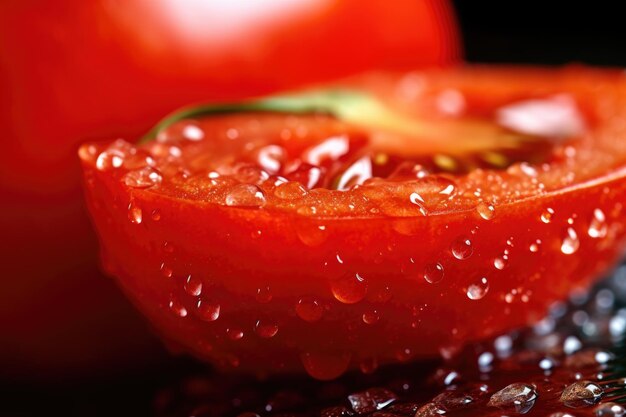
pixel 543 32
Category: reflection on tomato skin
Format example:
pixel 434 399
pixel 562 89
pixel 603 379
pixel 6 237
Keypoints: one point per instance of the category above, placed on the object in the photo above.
pixel 94 69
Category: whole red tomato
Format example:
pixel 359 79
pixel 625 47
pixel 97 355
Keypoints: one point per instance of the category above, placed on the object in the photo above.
pixel 87 69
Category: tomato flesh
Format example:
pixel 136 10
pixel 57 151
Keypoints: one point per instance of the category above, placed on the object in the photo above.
pixel 273 242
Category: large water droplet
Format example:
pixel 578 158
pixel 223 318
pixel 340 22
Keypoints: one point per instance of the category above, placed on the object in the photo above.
pixel 245 195
pixel 309 309
pixel 433 273
pixel 570 242
pixel 349 289
pixel 266 328
pixel 208 311
pixel 520 397
pixel 478 290
pixel 143 178
pixel 462 248
pixel 598 227
pixel 581 393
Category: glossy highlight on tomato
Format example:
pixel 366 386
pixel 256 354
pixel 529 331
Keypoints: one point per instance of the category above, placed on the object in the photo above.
pixel 272 239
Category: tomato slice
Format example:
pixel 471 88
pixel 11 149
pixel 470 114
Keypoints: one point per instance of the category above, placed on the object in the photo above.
pixel 314 230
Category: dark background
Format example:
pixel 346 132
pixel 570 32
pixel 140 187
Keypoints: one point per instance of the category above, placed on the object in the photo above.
pixel 507 31
pixel 543 32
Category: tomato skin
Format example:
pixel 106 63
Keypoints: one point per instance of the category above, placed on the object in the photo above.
pixel 367 274
pixel 216 245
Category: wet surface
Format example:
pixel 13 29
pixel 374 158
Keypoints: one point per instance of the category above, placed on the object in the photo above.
pixel 569 364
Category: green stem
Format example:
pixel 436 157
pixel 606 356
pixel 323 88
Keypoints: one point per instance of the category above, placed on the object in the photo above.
pixel 350 106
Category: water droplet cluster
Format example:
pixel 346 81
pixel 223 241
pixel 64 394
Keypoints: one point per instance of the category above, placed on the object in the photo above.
pixel 554 370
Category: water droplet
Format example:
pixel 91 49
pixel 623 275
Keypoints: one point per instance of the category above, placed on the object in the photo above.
pixel 309 309
pixel 266 328
pixel 135 215
pixel 110 159
pixel 429 410
pixel 570 243
pixel 208 311
pixel 581 393
pixel 371 317
pixel 166 271
pixel 598 227
pixel 478 290
pixel 349 289
pixel 177 307
pixel 143 178
pixel 155 215
pixel 325 365
pixel 571 344
pixel 270 158
pixel 404 354
pixel 245 195
pixel 168 247
pixel 193 286
pixel 546 215
pixel 485 361
pixel 193 133
pixel 486 211
pixel 500 262
pixel 371 400
pixel 462 248
pixel 610 409
pixel 232 133
pixel 417 199
pixel 520 397
pixel 234 333
pixel 355 174
pixel 264 294
pixel 546 364
pixel 290 190
pixel 534 247
pixel 433 273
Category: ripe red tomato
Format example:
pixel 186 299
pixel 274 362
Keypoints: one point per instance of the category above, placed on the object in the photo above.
pixel 398 218
pixel 89 69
